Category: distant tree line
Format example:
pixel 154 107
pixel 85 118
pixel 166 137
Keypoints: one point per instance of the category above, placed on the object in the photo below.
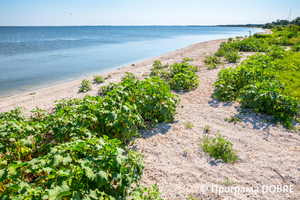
pixel 278 22
pixel 283 23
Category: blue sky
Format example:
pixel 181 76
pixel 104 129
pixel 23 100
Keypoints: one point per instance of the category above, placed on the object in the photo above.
pixel 144 12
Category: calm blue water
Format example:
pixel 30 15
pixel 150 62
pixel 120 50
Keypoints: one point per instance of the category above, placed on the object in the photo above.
pixel 36 57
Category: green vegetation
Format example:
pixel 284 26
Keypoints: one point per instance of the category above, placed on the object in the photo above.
pixel 269 83
pixel 129 76
pixel 191 198
pixel 227 182
pixel 186 59
pixel 188 125
pixel 94 168
pixel 232 56
pixel 76 151
pixel 212 62
pixel 184 81
pixel 218 147
pixel 85 86
pixel 179 76
pixel 233 119
pixel 98 79
pixel 207 129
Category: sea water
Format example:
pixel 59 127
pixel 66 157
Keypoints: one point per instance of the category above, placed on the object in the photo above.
pixel 36 57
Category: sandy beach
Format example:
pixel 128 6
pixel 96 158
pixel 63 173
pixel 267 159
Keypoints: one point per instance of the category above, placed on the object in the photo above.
pixel 269 154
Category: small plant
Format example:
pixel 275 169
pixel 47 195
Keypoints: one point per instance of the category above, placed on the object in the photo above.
pixel 157 64
pixel 191 198
pixel 232 56
pixel 296 48
pixel 212 66
pixel 229 40
pixel 207 129
pixel 85 86
pixel 188 59
pixel 233 119
pixel 185 152
pixel 184 81
pixel 108 76
pixel 212 59
pixel 188 125
pixel 227 182
pixel 129 76
pixel 146 193
pixel 218 147
pixel 98 79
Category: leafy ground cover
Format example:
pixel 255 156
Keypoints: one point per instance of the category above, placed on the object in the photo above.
pixel 77 151
pixel 268 83
pixel 218 147
pixel 99 79
pixel 85 86
pixel 180 76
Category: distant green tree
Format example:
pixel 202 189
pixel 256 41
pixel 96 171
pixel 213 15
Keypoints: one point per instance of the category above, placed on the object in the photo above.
pixel 296 21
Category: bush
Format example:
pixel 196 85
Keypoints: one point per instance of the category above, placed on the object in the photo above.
pixel 98 79
pixel 104 89
pixel 152 98
pixel 95 168
pixel 184 81
pixel 265 97
pixel 296 48
pixel 218 147
pixel 157 65
pixel 85 86
pixel 232 56
pixel 212 60
pixel 231 81
pixel 188 59
pixel 182 68
pixel 129 76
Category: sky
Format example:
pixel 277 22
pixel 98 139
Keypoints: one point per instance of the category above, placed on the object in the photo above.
pixel 144 12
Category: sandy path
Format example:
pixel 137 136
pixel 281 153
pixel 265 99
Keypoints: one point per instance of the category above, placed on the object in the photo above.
pixel 269 154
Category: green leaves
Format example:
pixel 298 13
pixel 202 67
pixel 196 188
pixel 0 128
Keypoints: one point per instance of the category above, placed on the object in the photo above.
pixel 102 178
pixel 218 147
pixel 98 166
pixel 85 86
pixel 267 83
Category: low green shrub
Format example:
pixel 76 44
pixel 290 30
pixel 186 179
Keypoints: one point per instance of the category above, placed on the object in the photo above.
pixel 104 89
pixel 98 79
pixel 95 169
pixel 152 97
pixel 128 76
pixel 85 86
pixel 233 119
pixel 184 81
pixel 218 148
pixel 296 48
pixel 212 60
pixel 212 66
pixel 157 65
pixel 232 56
pixel 229 40
pixel 182 68
pixel 265 97
pixel 186 59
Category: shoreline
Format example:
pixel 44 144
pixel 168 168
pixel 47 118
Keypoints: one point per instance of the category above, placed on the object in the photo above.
pixel 44 98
